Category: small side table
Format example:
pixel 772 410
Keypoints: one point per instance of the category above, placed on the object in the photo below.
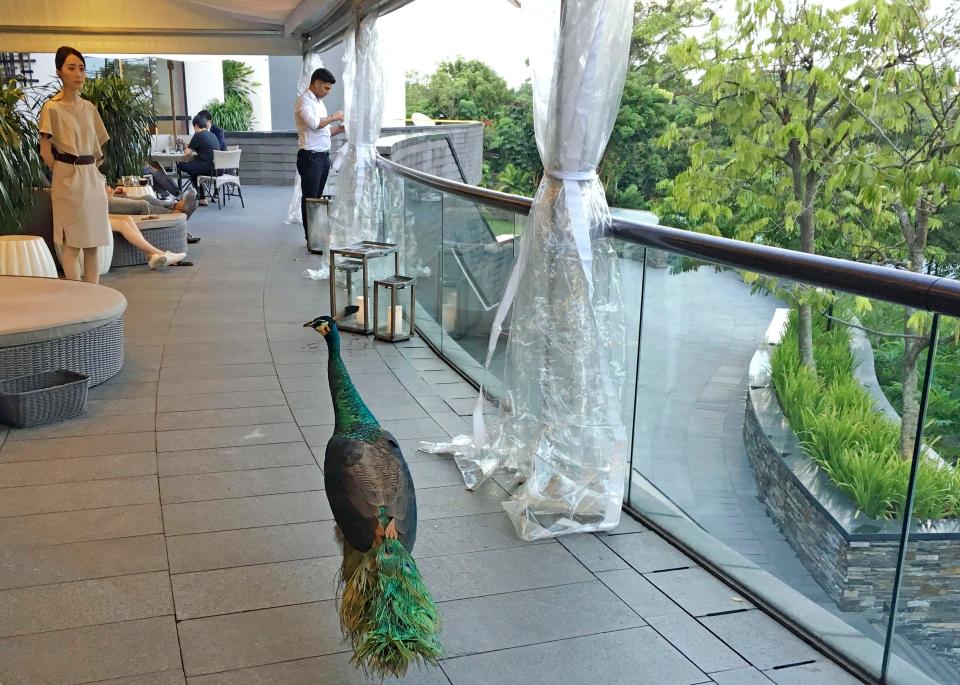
pixel 26 255
pixel 136 192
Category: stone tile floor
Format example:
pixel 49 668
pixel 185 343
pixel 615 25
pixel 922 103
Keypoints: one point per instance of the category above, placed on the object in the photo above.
pixel 179 531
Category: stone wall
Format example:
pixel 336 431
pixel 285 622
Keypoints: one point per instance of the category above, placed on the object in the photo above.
pixel 270 158
pixel 852 557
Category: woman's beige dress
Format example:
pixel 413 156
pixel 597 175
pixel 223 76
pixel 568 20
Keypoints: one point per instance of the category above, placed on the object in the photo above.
pixel 77 193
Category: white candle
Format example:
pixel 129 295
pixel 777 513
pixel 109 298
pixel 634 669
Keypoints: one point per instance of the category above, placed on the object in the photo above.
pixel 397 320
pixel 449 312
pixel 360 316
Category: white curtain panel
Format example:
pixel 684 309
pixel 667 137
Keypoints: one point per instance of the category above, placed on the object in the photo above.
pixel 559 428
pixel 311 62
pixel 356 209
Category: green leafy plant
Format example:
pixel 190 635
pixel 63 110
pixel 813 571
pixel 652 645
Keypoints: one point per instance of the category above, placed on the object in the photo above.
pixel 235 113
pixel 20 165
pixel 127 113
pixel 840 429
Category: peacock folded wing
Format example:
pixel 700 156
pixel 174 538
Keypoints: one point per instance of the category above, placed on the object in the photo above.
pixel 364 479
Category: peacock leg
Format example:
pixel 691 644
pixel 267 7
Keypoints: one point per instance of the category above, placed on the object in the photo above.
pixel 391 531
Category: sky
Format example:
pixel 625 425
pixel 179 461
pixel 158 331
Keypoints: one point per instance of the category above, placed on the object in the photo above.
pixel 425 32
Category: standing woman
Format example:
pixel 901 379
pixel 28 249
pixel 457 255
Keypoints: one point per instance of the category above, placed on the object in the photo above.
pixel 71 137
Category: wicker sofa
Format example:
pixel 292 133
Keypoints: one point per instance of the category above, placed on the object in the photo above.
pixel 166 232
pixel 57 324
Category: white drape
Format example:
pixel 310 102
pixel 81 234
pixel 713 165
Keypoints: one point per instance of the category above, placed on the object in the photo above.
pixel 356 209
pixel 559 426
pixel 311 62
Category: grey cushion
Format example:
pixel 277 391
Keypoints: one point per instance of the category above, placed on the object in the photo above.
pixel 40 309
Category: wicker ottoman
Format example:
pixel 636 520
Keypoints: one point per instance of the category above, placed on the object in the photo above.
pixel 167 232
pixel 56 324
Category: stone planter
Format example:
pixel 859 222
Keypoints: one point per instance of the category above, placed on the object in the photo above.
pixel 851 556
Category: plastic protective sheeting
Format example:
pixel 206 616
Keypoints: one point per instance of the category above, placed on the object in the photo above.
pixel 311 62
pixel 559 426
pixel 356 210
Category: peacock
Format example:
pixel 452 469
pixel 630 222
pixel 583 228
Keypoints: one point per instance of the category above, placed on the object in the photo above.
pixel 386 611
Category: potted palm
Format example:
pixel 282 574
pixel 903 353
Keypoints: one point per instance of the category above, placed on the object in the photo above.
pixel 21 171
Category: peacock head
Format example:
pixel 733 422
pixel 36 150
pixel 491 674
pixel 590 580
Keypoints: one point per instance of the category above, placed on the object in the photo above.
pixel 325 325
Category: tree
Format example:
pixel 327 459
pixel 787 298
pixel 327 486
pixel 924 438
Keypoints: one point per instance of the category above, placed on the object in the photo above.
pixel 905 171
pixel 779 86
pixel 459 89
pixel 235 113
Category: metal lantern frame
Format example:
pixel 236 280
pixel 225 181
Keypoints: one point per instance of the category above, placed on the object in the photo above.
pixel 394 285
pixel 359 255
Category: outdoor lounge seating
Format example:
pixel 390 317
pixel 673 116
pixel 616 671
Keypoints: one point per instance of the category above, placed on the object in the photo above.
pixel 167 232
pixel 56 324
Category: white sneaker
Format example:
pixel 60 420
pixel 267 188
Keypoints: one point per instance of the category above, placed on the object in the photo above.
pixel 158 260
pixel 174 257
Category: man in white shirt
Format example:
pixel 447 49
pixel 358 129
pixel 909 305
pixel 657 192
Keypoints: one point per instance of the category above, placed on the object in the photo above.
pixel 313 137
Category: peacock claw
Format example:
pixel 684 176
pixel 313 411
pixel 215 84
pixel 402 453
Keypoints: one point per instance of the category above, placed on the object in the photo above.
pixel 391 532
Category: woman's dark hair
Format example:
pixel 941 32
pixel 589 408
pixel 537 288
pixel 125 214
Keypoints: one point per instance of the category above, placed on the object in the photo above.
pixel 324 75
pixel 65 51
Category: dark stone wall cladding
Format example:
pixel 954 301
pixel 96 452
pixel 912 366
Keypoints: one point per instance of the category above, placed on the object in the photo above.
pixel 855 569
pixel 270 158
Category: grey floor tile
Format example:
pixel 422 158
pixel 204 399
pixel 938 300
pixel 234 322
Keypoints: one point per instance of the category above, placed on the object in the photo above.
pixel 433 474
pixel 234 436
pixel 455 500
pixel 255 638
pixel 638 655
pixel 164 678
pixel 80 526
pixel 84 603
pixel 24 567
pixel 215 418
pixel 484 624
pixel 191 373
pixel 214 385
pixel 334 669
pixel 698 592
pixel 460 534
pixel 698 644
pixel 627 524
pixel 139 405
pixel 209 486
pixel 21 473
pixel 88 446
pixel 43 499
pixel 778 646
pixel 100 425
pixel 234 458
pixel 640 594
pixel 245 512
pixel 822 671
pixel 225 591
pixel 647 552
pixel 492 572
pixel 745 676
pixel 81 655
pixel 225 549
pixel 119 391
pixel 592 553
pixel 220 400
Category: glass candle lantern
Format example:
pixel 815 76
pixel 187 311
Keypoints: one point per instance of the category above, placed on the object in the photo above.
pixel 394 306
pixel 352 271
pixel 318 223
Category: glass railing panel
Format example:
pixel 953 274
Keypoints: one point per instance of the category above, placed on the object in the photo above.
pixel 797 471
pixel 477 256
pixel 420 238
pixel 926 631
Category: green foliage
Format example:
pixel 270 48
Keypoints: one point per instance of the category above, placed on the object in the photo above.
pixel 459 89
pixel 855 445
pixel 235 113
pixel 127 113
pixel 21 168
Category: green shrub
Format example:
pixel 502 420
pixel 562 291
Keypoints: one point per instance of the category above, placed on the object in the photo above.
pixel 855 445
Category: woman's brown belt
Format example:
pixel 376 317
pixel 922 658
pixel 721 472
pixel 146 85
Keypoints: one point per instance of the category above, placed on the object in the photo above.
pixel 73 159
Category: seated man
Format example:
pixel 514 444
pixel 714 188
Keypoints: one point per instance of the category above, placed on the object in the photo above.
pixel 203 144
pixel 117 203
pixel 213 128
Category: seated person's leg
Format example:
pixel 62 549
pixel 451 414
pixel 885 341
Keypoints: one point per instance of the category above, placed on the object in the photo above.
pixel 126 205
pixel 128 228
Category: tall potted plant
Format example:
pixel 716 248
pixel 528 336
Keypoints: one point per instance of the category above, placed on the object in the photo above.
pixel 127 114
pixel 21 168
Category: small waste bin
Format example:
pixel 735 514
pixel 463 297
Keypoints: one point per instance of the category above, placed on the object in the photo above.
pixel 318 223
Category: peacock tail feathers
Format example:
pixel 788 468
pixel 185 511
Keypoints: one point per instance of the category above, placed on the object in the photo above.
pixel 387 613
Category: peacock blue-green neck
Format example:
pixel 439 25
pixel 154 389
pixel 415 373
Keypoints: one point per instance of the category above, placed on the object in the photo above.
pixel 353 418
